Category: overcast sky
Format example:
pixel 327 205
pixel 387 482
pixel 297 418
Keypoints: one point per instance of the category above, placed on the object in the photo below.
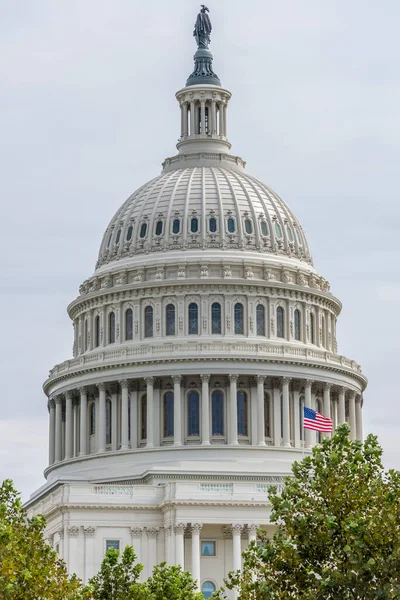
pixel 88 113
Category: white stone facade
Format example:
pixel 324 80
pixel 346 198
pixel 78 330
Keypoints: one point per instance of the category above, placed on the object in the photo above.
pixel 203 331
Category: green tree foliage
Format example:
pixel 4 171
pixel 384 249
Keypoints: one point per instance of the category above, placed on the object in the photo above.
pixel 170 583
pixel 29 568
pixel 117 579
pixel 338 535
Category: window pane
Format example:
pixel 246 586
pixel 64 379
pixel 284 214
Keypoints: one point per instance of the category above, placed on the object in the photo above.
pixel 216 318
pixel 242 413
pixel 118 237
pixel 208 548
pixel 278 230
pixel 301 409
pixel 159 227
pixel 148 322
pixel 129 233
pixel 264 228
pixel 207 589
pixel 213 225
pixel 143 418
pixel 267 419
pixel 248 226
pixel 170 319
pixel 143 230
pixel 112 544
pixel 193 414
pixel 239 319
pixel 111 328
pixel 176 225
pixel 290 233
pixel 297 325
pixel 92 425
pixel 279 322
pixel 129 324
pixel 217 401
pixel 169 414
pixel 193 315
pixel 194 225
pixel 97 331
pixel 312 328
pixel 108 422
pixel 260 314
pixel 109 240
pixel 231 225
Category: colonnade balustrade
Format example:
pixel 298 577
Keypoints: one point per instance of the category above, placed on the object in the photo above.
pixel 233 410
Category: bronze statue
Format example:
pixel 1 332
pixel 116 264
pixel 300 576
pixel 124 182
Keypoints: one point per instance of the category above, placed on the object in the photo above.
pixel 203 28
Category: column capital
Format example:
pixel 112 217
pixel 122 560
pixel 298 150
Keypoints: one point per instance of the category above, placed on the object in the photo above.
pixel 252 528
pixel 297 386
pixel 58 400
pixel 308 383
pixel 89 531
pixel 205 378
pixel 359 399
pixel 73 531
pixel 60 533
pixel 101 386
pixel 133 385
pixel 68 395
pixel 341 389
pixel 149 380
pixel 51 403
pixel 327 386
pixel 237 528
pixel 196 527
pixel 83 390
pixel 286 380
pixel 276 383
pixel 168 530
pixel 124 383
pixel 136 531
pixel 180 528
pixel 152 532
pixel 260 379
pixel 177 378
pixel 233 377
pixel 352 395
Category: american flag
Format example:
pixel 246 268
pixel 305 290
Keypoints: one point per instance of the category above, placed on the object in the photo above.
pixel 315 421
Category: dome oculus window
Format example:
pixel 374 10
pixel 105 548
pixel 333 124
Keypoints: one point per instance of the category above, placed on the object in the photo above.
pixel 129 233
pixel 194 225
pixel 159 228
pixel 231 225
pixel 176 226
pixel 213 225
pixel 264 228
pixel 278 230
pixel 248 225
pixel 143 230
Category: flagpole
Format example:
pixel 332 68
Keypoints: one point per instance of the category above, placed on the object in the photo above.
pixel 302 429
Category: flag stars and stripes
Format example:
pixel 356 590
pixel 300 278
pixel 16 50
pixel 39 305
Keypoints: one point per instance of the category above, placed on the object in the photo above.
pixel 315 421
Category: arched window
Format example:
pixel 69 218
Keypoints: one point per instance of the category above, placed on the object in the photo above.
pixel 207 589
pixel 264 228
pixel 176 225
pixel 85 341
pixel 239 318
pixel 260 318
pixel 217 411
pixel 143 230
pixel 323 331
pixel 143 417
pixel 193 413
pixel 213 225
pixel 297 325
pixel 108 422
pixel 97 331
pixel 312 328
pixel 117 239
pixel 216 318
pixel 148 321
pixel 194 225
pixel 248 226
pixel 170 320
pixel 267 416
pixel 278 230
pixel 129 324
pixel 280 327
pixel 111 328
pixel 242 414
pixel 159 227
pixel 92 419
pixel 168 414
pixel 109 240
pixel 129 233
pixel 231 225
pixel 289 233
pixel 193 316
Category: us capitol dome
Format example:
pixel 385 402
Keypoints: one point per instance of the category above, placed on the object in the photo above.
pixel 201 334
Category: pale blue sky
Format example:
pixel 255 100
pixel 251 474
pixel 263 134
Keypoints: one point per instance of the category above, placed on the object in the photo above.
pixel 87 114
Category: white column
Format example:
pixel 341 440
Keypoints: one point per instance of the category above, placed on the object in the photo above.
pixel 286 412
pixel 203 116
pixel 74 543
pixel 213 117
pixel 296 415
pixel 101 433
pixel 181 104
pixel 185 119
pixel 177 379
pixel 277 412
pixel 179 545
pixel 69 429
pixel 260 411
pixel 327 403
pixel 114 418
pixel 52 430
pixel 335 412
pixel 152 534
pixel 309 436
pixel 124 415
pixel 342 405
pixel 352 415
pixel 359 424
pixel 168 545
pixel 134 417
pixel 89 533
pixel 233 410
pixel 58 435
pixel 150 422
pixel 192 117
pixel 205 410
pixel 237 549
pixel 136 535
pixel 83 422
pixel 196 528
pixel 252 531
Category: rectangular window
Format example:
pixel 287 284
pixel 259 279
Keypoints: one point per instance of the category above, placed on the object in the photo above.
pixel 208 549
pixel 112 544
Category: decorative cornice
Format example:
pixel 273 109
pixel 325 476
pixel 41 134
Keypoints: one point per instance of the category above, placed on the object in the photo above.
pixel 73 531
pixel 89 531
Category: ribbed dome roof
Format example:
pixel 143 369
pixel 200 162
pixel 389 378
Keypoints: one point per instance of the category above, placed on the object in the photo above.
pixel 205 207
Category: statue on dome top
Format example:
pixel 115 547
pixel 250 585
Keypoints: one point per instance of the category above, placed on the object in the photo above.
pixel 203 28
